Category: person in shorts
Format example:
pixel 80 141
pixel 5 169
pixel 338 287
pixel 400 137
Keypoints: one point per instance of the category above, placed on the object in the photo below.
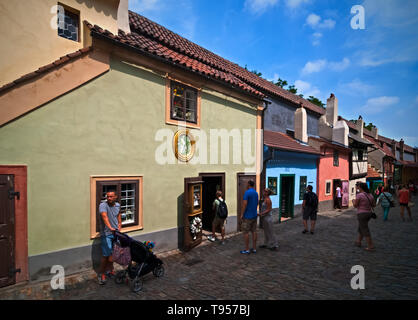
pixel 217 221
pixel 249 217
pixel 112 221
pixel 309 209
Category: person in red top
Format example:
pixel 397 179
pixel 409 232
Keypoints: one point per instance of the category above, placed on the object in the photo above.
pixel 403 196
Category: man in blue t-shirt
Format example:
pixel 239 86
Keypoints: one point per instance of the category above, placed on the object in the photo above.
pixel 249 217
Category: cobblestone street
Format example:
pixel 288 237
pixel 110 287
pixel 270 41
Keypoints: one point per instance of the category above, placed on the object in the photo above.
pixel 305 267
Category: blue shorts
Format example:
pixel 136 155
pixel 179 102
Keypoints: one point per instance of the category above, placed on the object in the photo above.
pixel 107 245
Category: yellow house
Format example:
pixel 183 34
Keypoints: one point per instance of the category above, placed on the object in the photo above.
pixel 109 105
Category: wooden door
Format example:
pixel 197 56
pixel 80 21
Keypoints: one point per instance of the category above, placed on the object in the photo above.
pixel 192 212
pixel 346 193
pixel 242 181
pixel 7 231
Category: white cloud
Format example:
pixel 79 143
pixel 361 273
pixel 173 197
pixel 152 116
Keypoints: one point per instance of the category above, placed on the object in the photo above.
pixel 259 6
pixel 292 4
pixel 316 38
pixel 379 104
pixel 340 66
pixel 307 89
pixel 314 66
pixel 319 65
pixel 356 87
pixel 314 21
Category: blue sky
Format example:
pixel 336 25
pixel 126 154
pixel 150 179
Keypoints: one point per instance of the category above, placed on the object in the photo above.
pixel 310 43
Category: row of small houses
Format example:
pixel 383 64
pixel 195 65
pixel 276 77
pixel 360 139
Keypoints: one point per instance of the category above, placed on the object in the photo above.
pixel 132 108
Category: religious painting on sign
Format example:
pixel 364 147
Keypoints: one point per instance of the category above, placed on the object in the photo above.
pixel 272 185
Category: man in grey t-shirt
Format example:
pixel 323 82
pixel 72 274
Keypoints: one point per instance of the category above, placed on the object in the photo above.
pixel 111 221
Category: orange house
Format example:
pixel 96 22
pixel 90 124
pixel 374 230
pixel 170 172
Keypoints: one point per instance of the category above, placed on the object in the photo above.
pixel 333 171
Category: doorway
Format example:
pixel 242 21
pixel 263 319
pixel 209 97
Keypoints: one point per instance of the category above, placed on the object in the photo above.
pixel 242 181
pixel 212 182
pixel 287 195
pixel 7 231
pixel 336 183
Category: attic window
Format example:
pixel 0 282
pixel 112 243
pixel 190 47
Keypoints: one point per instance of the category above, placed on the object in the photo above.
pixel 183 102
pixel 68 23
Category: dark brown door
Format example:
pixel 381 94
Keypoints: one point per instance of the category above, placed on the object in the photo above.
pixel 7 232
pixel 192 212
pixel 242 187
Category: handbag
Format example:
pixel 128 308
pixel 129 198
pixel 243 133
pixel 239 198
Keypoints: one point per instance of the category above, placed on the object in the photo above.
pixel 411 204
pixel 121 255
pixel 391 203
pixel 373 216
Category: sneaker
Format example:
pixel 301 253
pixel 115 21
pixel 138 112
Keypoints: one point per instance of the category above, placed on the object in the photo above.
pixel 102 279
pixel 111 274
pixel 305 231
pixel 312 232
pixel 211 239
pixel 245 252
pixel 253 250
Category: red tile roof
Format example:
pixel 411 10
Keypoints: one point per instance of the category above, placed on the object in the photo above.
pixel 152 47
pixel 154 31
pixel 46 68
pixel 282 141
pixel 157 40
pixel 372 173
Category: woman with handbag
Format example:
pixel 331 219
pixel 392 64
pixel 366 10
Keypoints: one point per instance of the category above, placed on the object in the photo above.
pixel 364 203
pixel 386 202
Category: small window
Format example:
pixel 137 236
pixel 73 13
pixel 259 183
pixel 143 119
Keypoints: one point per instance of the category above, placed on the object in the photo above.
pixel 68 24
pixel 328 188
pixel 303 185
pixel 272 185
pixel 129 195
pixel 290 133
pixel 183 103
pixel 336 158
pixel 360 155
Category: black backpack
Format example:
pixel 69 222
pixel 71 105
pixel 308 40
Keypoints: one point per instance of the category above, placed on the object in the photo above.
pixel 222 210
pixel 312 200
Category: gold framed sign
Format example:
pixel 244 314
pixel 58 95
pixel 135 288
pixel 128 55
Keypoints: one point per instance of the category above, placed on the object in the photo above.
pixel 184 145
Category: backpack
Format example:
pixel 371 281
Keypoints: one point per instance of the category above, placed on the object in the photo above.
pixel 312 200
pixel 222 210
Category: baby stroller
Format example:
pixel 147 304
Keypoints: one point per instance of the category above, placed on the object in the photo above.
pixel 143 261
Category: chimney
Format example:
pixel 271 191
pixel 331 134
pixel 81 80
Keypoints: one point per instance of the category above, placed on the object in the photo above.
pixel 301 124
pixel 123 16
pixel 332 110
pixel 401 145
pixel 393 145
pixel 340 133
pixel 360 126
pixel 375 133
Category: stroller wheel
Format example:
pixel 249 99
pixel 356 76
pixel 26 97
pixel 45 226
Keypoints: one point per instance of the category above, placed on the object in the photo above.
pixel 120 277
pixel 137 284
pixel 158 271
